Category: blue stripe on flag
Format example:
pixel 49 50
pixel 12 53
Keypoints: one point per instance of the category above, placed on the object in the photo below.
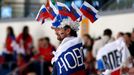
pixel 89 11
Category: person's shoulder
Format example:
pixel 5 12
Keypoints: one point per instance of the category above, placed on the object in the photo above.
pixel 98 44
pixel 20 35
pixel 101 52
pixel 106 48
pixel 76 40
pixel 112 39
pixel 71 42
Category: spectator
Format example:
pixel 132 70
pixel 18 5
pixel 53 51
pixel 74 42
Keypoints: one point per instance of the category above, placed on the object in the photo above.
pixel 20 63
pixel 89 60
pixel 25 41
pixel 8 52
pixel 132 35
pixel 129 43
pixel 107 61
pixel 45 49
pixel 88 42
pixel 45 54
pixel 68 58
pixel 107 37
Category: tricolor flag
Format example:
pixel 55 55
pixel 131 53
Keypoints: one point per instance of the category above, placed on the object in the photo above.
pixel 53 12
pixel 89 11
pixel 75 13
pixel 63 9
pixel 57 21
pixel 42 14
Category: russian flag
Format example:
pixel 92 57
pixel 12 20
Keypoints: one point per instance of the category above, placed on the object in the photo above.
pixel 63 9
pixel 75 13
pixel 53 12
pixel 42 14
pixel 89 11
pixel 57 21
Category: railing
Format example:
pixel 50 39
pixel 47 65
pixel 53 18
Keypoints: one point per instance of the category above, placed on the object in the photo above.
pixel 118 5
pixel 21 9
pixel 30 9
pixel 22 68
pixel 9 67
pixel 16 70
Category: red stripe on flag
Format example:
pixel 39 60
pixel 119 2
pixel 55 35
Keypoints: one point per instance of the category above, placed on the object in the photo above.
pixel 43 15
pixel 64 13
pixel 89 16
pixel 72 17
pixel 51 16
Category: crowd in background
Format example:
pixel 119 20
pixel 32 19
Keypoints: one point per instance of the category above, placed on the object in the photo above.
pixel 21 57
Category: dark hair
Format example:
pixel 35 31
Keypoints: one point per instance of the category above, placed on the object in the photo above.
pixel 41 39
pixel 11 32
pixel 107 32
pixel 92 41
pixel 88 36
pixel 121 33
pixel 73 32
pixel 25 32
pixel 128 34
pixel 47 39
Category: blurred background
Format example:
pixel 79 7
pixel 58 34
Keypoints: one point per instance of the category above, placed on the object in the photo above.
pixel 117 15
pixel 114 14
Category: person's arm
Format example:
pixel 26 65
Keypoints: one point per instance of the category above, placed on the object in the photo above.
pixel 100 66
pixel 94 51
pixel 126 60
pixel 54 72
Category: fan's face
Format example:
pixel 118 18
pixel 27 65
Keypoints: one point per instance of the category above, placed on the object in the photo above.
pixel 127 38
pixel 61 33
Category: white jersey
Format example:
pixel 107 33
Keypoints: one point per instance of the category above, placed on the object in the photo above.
pixel 113 56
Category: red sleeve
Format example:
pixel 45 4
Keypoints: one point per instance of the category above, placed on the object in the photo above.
pixel 29 40
pixel 19 38
pixel 8 44
pixel 36 57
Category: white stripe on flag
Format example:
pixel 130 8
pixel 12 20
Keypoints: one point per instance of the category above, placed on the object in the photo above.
pixel 43 6
pixel 76 8
pixel 62 5
pixel 53 7
pixel 90 6
pixel 97 16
